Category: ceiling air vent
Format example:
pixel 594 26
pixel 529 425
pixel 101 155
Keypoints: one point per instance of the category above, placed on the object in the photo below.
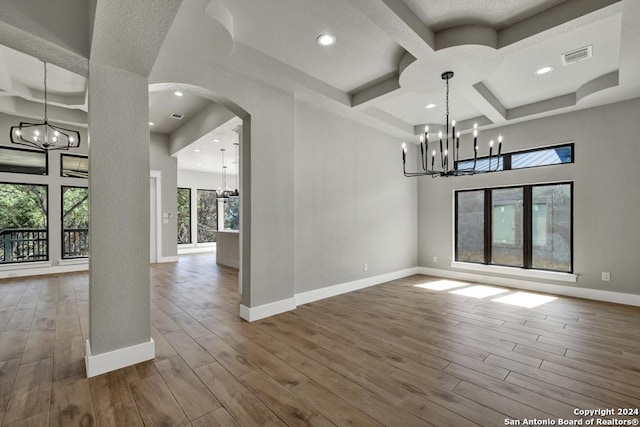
pixel 177 116
pixel 577 55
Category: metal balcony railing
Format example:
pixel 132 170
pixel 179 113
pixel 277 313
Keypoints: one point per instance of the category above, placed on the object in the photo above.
pixel 75 242
pixel 31 244
pixel 23 244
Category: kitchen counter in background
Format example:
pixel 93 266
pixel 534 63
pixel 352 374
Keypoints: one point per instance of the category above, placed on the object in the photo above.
pixel 228 248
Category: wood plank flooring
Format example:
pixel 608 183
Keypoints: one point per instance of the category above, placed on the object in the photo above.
pixel 397 354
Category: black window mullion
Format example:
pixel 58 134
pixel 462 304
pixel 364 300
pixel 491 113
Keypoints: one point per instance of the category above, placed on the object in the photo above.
pixel 455 243
pixel 488 225
pixel 527 223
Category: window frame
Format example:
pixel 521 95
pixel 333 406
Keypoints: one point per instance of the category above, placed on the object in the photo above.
pixel 527 226
pixel 46 161
pixel 189 190
pixel 62 187
pixel 215 204
pixel 48 258
pixel 506 157
pixel 82 156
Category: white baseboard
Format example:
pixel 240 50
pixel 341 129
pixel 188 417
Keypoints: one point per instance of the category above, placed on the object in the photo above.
pixel 168 259
pixel 117 359
pixel 34 270
pixel 572 291
pixel 251 314
pixel 185 251
pixel 331 291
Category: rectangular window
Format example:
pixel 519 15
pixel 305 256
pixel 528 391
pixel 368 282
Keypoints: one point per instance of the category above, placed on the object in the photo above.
pixel 506 222
pixel 184 216
pixel 74 166
pixel 207 216
pixel 23 223
pixel 75 222
pixel 542 157
pixel 552 227
pixel 536 157
pixel 18 160
pixel 527 226
pixel 232 213
pixel 470 226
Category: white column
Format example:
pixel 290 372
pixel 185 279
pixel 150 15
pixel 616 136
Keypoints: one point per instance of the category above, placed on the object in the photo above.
pixel 119 307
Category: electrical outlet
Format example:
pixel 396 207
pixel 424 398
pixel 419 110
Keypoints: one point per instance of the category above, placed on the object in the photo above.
pixel 435 259
pixel 365 267
pixel 606 276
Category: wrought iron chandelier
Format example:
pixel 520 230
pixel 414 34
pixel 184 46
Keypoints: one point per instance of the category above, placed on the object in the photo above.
pixel 44 136
pixel 449 163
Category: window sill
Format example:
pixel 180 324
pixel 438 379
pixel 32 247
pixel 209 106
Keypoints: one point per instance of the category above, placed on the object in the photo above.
pixel 73 261
pixel 25 265
pixel 514 271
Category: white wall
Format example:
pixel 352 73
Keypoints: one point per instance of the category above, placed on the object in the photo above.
pixel 197 179
pixel 352 203
pixel 160 160
pixel 606 176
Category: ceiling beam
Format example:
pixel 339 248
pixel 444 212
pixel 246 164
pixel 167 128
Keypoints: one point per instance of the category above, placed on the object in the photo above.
pixel 385 89
pixel 485 101
pixel 553 17
pixel 396 19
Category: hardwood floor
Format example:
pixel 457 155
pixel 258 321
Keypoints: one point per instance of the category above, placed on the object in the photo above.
pixel 397 354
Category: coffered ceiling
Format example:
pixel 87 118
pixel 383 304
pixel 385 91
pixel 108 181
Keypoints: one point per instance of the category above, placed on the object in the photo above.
pixel 389 54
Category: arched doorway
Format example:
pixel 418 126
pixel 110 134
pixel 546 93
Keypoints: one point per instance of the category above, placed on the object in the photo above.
pixel 244 172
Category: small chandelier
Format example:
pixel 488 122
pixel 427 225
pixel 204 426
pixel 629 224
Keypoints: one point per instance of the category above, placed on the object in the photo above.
pixel 44 136
pixel 448 161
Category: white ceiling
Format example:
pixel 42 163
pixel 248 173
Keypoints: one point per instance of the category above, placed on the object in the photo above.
pixel 287 30
pixel 22 89
pixel 163 103
pixel 208 158
pixel 439 14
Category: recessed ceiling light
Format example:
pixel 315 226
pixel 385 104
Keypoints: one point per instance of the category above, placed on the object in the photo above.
pixel 430 106
pixel 196 150
pixel 178 93
pixel 326 40
pixel 216 140
pixel 544 70
pixel 199 164
pixel 151 124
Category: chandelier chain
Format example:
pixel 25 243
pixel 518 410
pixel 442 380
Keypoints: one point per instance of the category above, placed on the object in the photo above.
pixel 45 92
pixel 447 99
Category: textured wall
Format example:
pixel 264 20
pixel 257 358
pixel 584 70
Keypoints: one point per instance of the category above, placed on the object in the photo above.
pixel 352 203
pixel 161 161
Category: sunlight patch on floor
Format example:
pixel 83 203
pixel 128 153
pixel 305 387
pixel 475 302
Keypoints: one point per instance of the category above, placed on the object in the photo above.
pixel 525 299
pixel 441 285
pixel 479 291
